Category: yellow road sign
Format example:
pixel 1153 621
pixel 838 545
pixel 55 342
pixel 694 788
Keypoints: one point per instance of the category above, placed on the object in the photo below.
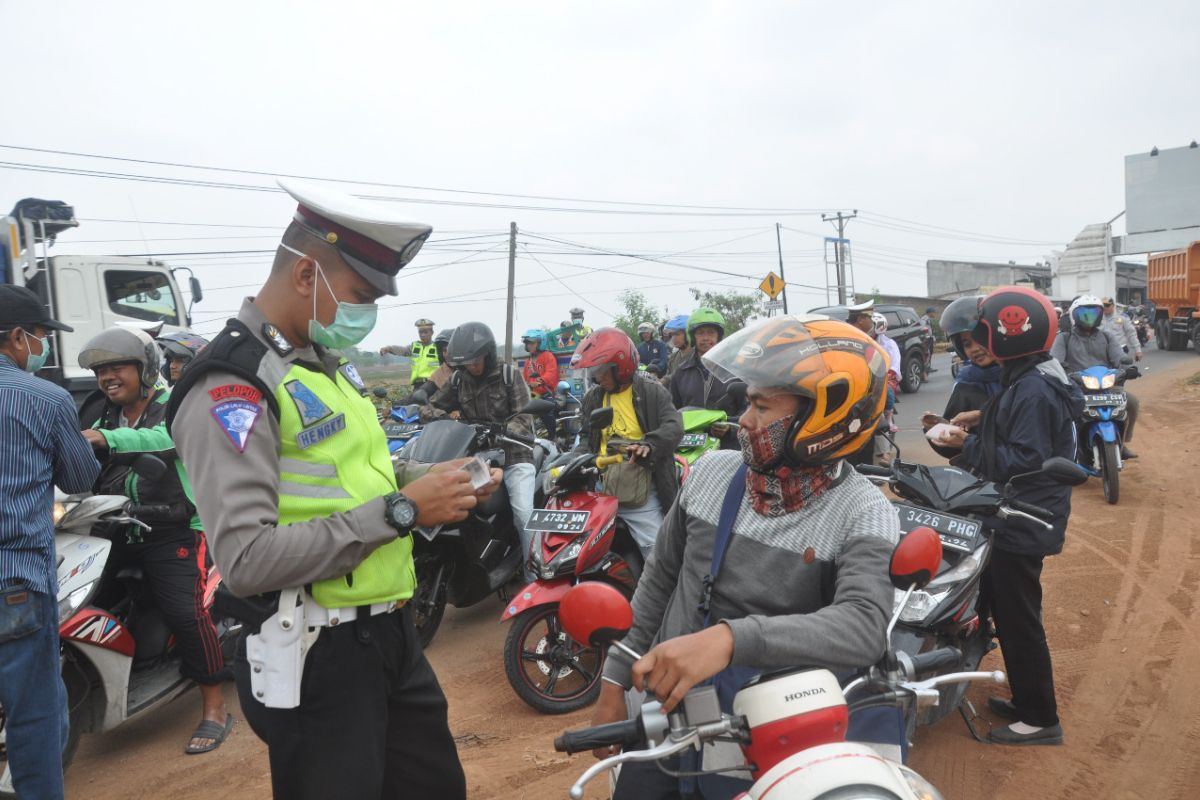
pixel 772 285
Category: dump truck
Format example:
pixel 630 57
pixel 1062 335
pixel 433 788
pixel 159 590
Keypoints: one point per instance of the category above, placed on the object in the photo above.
pixel 88 292
pixel 1173 286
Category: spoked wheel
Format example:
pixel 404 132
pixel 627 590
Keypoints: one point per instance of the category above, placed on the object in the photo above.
pixel 429 602
pixel 1109 461
pixel 547 668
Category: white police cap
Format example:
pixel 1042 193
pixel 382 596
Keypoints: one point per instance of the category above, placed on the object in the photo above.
pixel 375 240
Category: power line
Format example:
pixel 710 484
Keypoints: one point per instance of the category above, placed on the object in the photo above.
pixel 563 283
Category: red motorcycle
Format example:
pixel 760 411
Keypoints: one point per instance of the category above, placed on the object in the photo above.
pixel 577 537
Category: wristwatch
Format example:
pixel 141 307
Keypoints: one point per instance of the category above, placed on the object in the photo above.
pixel 400 512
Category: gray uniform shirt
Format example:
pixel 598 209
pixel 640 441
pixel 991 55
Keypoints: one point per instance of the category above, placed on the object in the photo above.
pixel 1076 350
pixel 237 493
pixel 1120 328
pixel 772 585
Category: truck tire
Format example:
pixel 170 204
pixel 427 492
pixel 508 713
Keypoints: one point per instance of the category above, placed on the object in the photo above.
pixel 1160 335
pixel 1177 341
pixel 1196 339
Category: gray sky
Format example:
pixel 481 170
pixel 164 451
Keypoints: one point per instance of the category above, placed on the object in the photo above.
pixel 1009 120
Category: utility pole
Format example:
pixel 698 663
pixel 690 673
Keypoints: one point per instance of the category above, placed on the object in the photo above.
pixel 779 246
pixel 512 287
pixel 840 254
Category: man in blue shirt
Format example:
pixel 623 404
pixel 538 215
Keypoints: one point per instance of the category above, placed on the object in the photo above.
pixel 40 446
pixel 652 351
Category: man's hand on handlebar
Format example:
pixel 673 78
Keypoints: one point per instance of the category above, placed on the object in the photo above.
pixel 634 452
pixel 610 707
pixel 455 414
pixel 672 668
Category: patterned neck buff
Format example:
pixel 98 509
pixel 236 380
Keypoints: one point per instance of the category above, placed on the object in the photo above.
pixel 776 488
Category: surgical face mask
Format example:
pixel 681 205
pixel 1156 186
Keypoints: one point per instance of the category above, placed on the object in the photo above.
pixel 351 323
pixel 36 362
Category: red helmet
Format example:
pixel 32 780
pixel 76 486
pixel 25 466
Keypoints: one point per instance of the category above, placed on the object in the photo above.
pixel 609 346
pixel 1015 322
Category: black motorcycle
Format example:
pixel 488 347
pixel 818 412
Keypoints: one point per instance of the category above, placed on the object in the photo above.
pixel 944 613
pixel 464 563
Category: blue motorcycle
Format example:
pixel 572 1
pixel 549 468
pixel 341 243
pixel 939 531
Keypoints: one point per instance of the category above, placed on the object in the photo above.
pixel 402 426
pixel 1102 431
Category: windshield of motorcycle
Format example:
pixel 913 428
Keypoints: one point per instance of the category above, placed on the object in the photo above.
pixel 700 419
pixel 443 440
pixel 947 489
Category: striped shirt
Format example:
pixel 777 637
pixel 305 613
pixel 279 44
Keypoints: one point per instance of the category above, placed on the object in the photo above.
pixel 40 446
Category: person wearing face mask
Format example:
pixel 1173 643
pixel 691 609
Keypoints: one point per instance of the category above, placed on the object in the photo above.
pixel 693 385
pixel 40 448
pixel 309 521
pixel 786 511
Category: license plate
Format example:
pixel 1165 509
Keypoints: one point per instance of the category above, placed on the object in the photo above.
pixel 555 521
pixel 957 533
pixel 1104 399
pixel 693 440
pixel 397 430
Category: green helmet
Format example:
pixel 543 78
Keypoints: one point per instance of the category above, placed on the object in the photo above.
pixel 701 317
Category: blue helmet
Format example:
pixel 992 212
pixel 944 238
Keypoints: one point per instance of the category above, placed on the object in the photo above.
pixel 677 323
pixel 536 335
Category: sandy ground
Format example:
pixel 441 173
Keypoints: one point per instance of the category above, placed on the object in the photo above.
pixel 1119 611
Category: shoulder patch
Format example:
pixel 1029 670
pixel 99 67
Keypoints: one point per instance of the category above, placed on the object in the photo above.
pixel 350 373
pixel 237 418
pixel 308 405
pixel 276 339
pixel 235 391
pixel 310 436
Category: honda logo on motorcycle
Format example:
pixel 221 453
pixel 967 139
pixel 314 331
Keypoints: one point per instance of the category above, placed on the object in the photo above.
pixel 803 693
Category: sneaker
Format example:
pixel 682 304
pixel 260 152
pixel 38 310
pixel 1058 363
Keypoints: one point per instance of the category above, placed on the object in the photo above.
pixel 1050 735
pixel 1127 454
pixel 1003 708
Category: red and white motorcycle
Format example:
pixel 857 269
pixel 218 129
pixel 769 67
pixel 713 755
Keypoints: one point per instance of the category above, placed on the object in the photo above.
pixel 791 726
pixel 118 661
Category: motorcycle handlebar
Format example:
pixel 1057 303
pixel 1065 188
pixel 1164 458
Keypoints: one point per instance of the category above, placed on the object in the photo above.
pixel 135 510
pixel 1030 508
pixel 605 461
pixel 935 659
pixel 871 469
pixel 626 733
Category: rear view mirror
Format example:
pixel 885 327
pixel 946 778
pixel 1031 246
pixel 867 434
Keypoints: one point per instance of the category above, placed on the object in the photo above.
pixel 601 417
pixel 1065 471
pixel 538 407
pixel 1132 372
pixel 564 387
pixel 197 292
pixel 149 467
pixel 380 392
pixel 916 559
pixel 596 613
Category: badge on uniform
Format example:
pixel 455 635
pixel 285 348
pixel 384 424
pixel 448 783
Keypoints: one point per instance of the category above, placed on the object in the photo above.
pixel 310 436
pixel 308 405
pixel 350 373
pixel 277 340
pixel 237 419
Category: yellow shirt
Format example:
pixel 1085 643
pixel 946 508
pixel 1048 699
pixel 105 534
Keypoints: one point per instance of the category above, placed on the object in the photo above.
pixel 625 423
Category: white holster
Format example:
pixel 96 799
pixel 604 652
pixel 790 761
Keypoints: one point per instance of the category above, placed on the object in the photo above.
pixel 278 651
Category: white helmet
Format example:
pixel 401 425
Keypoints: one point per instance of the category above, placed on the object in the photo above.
pixel 123 346
pixel 880 322
pixel 646 327
pixel 1081 311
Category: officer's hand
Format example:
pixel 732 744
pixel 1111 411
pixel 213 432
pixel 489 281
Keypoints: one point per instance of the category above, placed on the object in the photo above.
pixel 610 707
pixel 675 666
pixel 441 497
pixel 95 439
pixel 967 419
pixel 1137 356
pixel 486 491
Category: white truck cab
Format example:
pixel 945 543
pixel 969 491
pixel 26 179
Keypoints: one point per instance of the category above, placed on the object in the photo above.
pixel 87 292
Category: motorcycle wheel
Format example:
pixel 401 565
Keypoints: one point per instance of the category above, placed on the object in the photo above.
pixel 548 669
pixel 1112 473
pixel 429 601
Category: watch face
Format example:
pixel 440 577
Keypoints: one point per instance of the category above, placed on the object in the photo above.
pixel 402 513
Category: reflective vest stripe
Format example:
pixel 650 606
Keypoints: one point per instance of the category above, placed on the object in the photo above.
pixel 308 468
pixel 312 490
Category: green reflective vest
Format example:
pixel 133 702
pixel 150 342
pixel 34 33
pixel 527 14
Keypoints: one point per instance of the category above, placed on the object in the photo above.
pixel 424 362
pixel 333 457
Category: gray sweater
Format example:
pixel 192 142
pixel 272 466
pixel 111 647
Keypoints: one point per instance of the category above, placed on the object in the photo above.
pixel 1077 351
pixel 785 605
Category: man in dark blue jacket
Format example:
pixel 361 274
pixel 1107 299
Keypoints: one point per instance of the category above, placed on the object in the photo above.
pixel 652 351
pixel 1031 420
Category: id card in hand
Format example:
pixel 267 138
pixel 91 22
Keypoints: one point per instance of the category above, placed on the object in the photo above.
pixel 477 468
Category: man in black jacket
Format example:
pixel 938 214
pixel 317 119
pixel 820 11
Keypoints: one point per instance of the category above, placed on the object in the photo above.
pixel 1031 420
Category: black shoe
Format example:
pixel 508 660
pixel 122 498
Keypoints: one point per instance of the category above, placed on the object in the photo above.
pixel 1003 708
pixel 1050 735
pixel 1127 454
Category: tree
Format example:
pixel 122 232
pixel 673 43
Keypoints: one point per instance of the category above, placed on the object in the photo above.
pixel 737 308
pixel 635 309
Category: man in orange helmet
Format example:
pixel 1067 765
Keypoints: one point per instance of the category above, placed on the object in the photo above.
pixel 785 511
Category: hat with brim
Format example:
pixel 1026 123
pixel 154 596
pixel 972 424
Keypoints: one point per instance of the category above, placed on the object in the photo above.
pixel 374 239
pixel 20 307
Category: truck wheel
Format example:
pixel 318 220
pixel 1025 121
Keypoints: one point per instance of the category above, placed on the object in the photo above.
pixel 1196 339
pixel 1177 341
pixel 911 370
pixel 1160 335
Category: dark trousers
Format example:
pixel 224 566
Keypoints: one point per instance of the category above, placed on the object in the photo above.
pixel 1131 412
pixel 174 562
pixel 372 720
pixel 1011 590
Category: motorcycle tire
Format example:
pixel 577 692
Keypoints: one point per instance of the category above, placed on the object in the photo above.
pixel 1111 472
pixel 538 654
pixel 429 601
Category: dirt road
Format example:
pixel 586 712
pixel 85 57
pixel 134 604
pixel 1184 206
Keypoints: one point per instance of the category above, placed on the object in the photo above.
pixel 1119 608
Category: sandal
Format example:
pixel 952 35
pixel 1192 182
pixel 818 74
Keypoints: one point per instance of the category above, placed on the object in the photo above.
pixel 207 729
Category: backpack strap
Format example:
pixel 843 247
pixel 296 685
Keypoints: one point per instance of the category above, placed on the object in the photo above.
pixel 729 510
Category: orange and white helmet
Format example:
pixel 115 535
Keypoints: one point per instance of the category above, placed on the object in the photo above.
pixel 838 371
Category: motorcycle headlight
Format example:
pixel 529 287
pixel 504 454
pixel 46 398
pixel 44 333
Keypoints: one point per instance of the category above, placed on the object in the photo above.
pixel 563 560
pixel 919 606
pixel 74 601
pixel 921 788
pixel 549 477
pixel 1108 381
pixel 1091 382
pixel 961 571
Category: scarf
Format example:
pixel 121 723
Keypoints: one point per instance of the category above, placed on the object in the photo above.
pixel 776 488
pixel 988 378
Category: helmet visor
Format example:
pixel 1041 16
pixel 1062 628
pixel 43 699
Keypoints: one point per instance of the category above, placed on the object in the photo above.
pixel 777 353
pixel 1088 316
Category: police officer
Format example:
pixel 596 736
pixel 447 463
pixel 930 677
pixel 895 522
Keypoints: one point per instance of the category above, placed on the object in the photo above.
pixel 424 353
pixel 1120 328
pixel 298 495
